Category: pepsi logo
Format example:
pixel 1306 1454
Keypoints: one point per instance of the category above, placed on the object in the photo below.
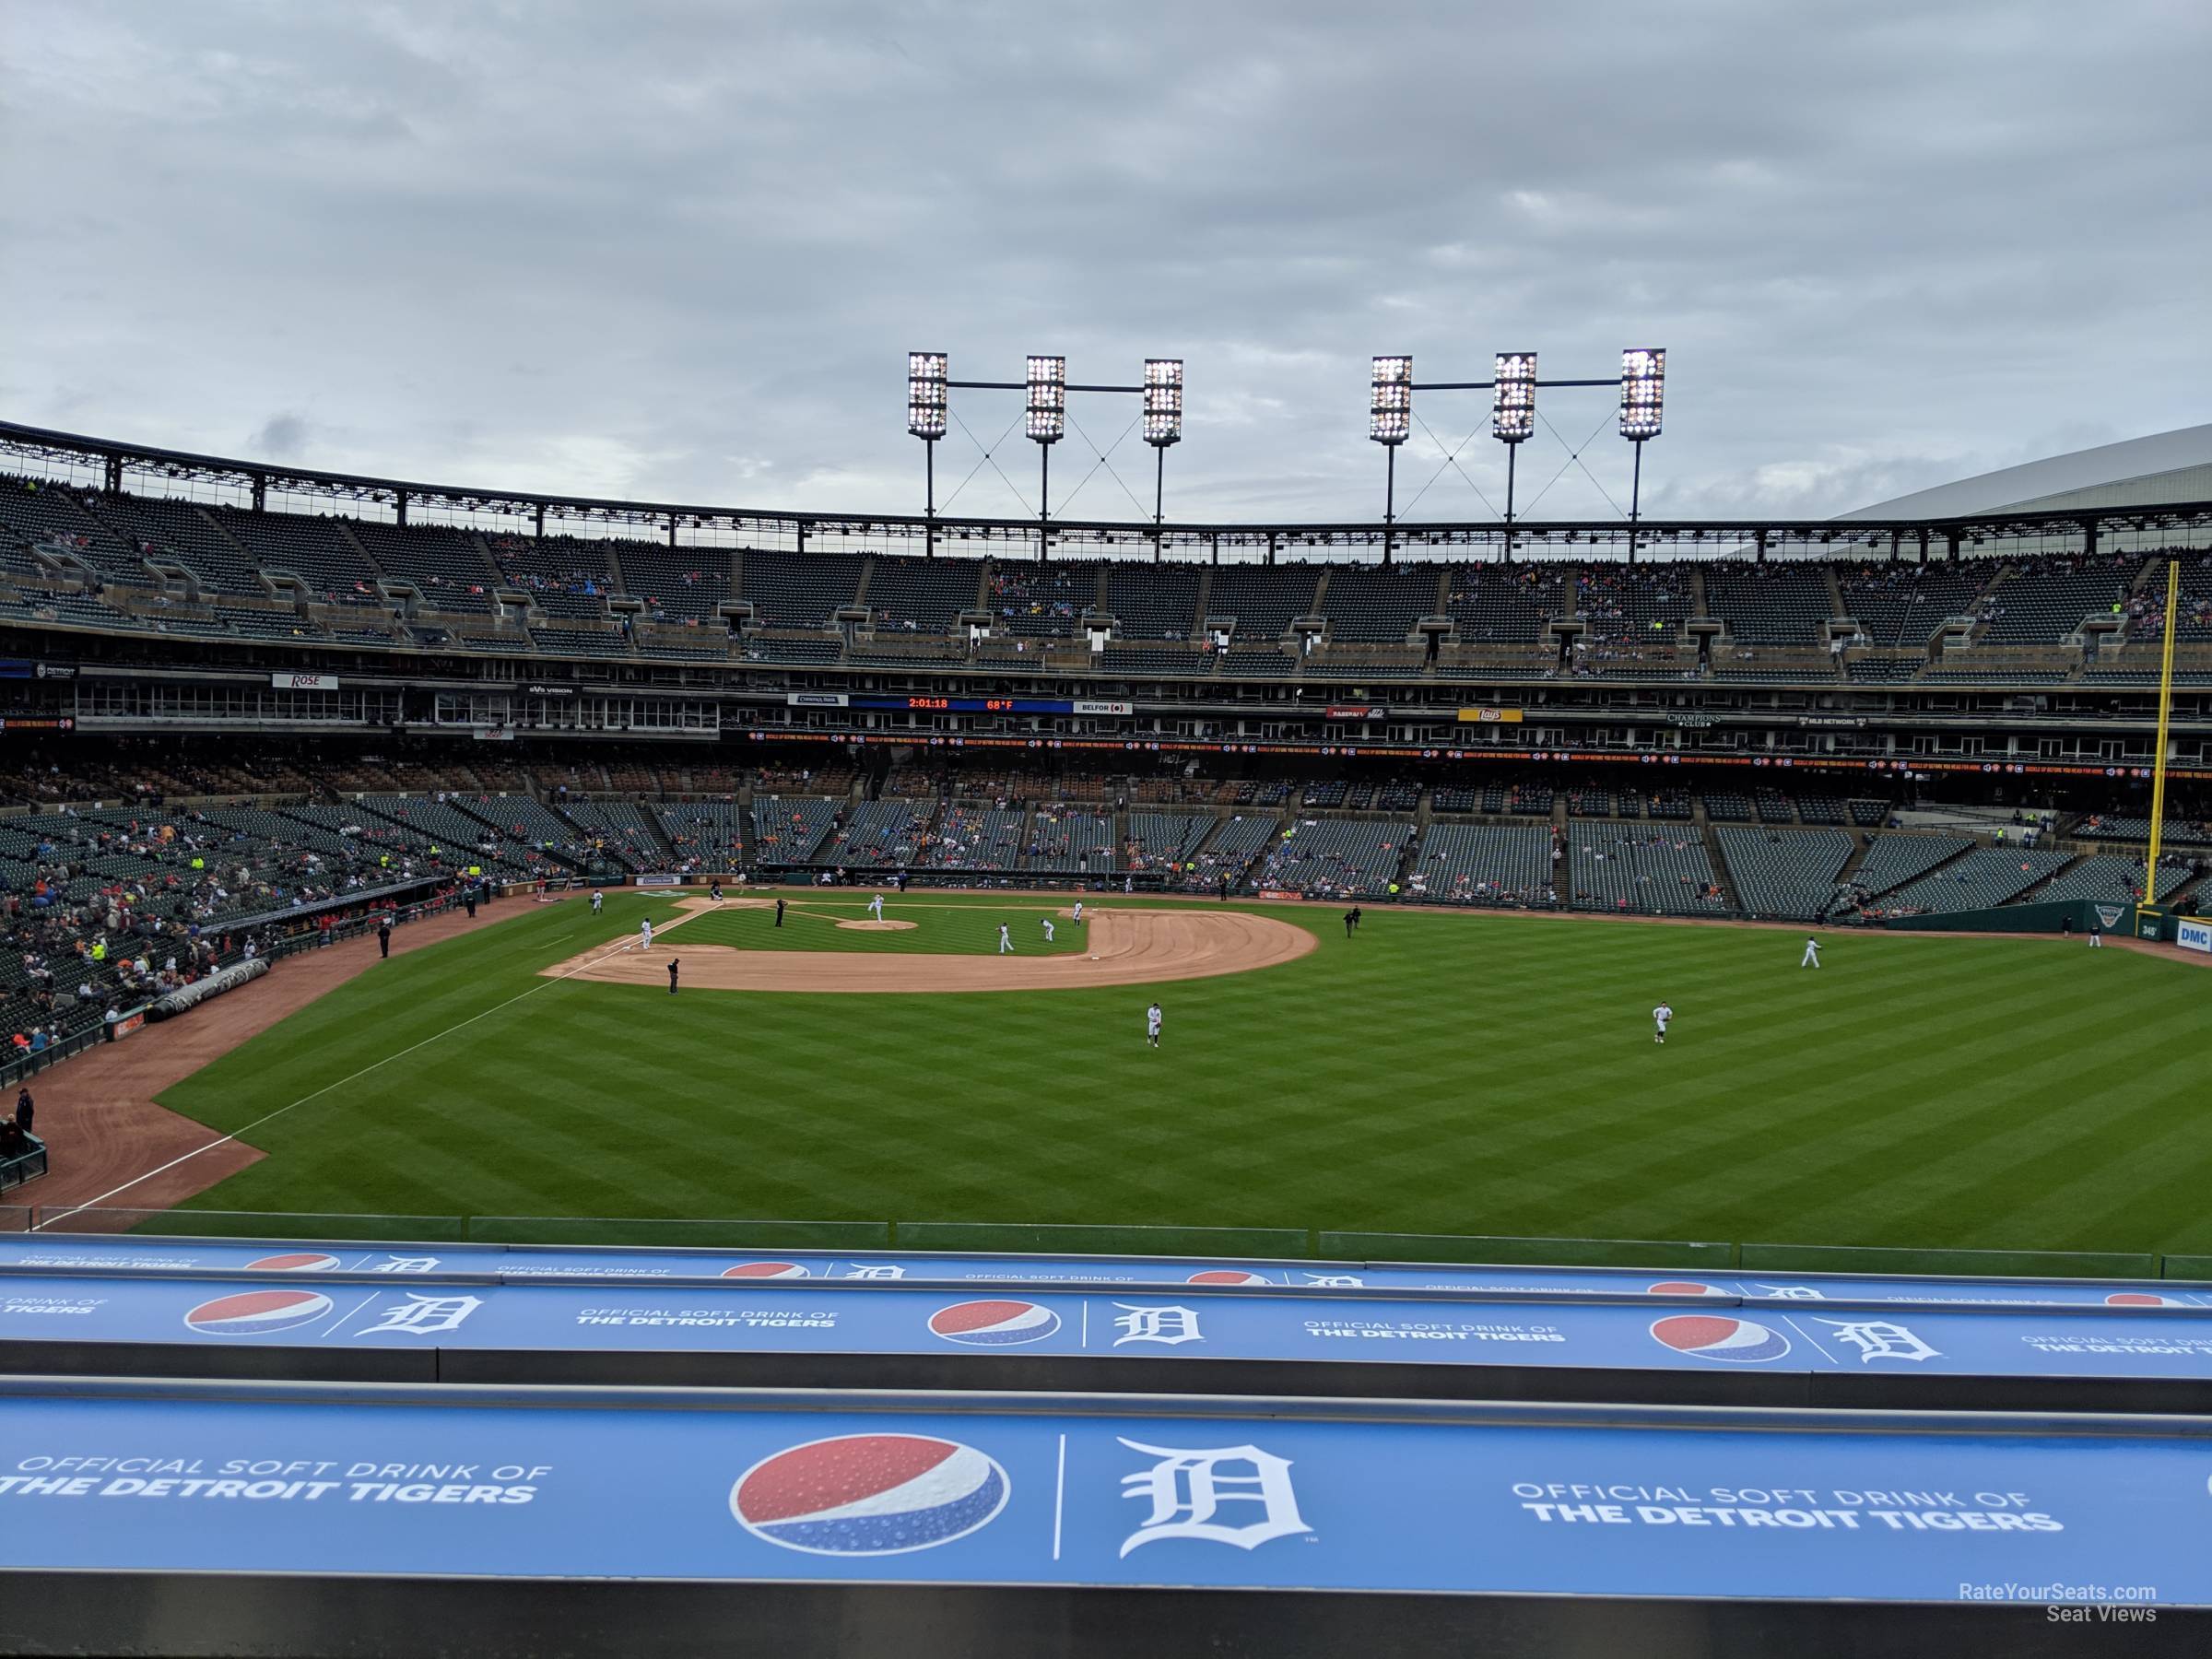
pixel 258 1313
pixel 1226 1275
pixel 993 1324
pixel 1711 1336
pixel 2142 1298
pixel 765 1270
pixel 301 1261
pixel 1683 1287
pixel 870 1495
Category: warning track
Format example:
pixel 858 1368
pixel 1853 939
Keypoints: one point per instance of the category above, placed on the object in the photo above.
pixel 1133 947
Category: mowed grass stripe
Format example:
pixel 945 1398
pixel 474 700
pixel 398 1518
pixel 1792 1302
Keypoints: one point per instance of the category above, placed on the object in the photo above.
pixel 1438 1072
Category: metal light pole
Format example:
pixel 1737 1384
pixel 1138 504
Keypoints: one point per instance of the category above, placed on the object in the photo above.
pixel 1642 403
pixel 927 374
pixel 1047 387
pixel 1513 418
pixel 1164 425
pixel 1390 423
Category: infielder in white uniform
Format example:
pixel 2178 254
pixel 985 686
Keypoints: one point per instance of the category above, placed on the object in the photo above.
pixel 1152 1025
pixel 598 899
pixel 645 933
pixel 1005 939
pixel 1079 912
pixel 876 905
pixel 1811 958
pixel 1660 1016
pixel 1048 929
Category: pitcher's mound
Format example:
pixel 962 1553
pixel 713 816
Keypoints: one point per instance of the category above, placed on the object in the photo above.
pixel 877 926
pixel 1132 948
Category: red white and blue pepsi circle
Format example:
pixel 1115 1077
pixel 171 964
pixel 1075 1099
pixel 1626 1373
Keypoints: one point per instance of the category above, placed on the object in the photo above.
pixel 765 1270
pixel 1712 1336
pixel 993 1324
pixel 258 1313
pixel 1682 1288
pixel 298 1260
pixel 870 1494
pixel 1227 1275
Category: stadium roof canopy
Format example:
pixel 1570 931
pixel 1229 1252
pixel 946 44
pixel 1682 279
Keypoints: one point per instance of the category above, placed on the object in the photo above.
pixel 2141 472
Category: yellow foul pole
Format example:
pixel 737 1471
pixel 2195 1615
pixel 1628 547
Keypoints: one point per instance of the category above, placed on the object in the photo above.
pixel 2157 775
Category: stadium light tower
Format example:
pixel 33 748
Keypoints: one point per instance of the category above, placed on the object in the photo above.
pixel 1047 388
pixel 1643 402
pixel 927 374
pixel 1390 423
pixel 1164 425
pixel 1513 418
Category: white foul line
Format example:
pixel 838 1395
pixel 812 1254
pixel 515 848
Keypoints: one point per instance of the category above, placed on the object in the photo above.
pixel 303 1100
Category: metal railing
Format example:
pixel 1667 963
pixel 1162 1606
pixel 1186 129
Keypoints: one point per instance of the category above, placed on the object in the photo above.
pixel 1060 1239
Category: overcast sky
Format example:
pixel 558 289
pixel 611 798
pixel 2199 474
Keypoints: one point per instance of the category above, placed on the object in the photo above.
pixel 678 251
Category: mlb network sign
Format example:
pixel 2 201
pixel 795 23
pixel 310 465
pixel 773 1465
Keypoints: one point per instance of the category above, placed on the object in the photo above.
pixel 2194 936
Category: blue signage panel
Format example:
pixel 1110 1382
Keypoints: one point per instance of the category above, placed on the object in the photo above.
pixel 791 1317
pixel 24 1252
pixel 1531 1503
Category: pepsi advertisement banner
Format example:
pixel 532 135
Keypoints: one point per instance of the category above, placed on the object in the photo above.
pixel 122 1254
pixel 1704 1505
pixel 785 1317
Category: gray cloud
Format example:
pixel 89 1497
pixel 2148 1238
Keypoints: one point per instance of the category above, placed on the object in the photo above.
pixel 679 250
pixel 280 438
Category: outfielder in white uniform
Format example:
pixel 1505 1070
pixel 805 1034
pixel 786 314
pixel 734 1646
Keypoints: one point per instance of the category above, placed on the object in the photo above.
pixel 1152 1025
pixel 1005 939
pixel 645 933
pixel 1048 929
pixel 1660 1016
pixel 876 904
pixel 598 899
pixel 1811 958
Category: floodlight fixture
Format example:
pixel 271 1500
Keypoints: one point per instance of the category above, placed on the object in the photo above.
pixel 1048 399
pixel 926 373
pixel 1390 411
pixel 1163 401
pixel 1643 391
pixel 1513 397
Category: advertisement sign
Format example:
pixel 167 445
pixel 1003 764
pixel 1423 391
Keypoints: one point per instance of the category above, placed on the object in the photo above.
pixel 779 1314
pixel 1090 1493
pixel 1490 716
pixel 1085 706
pixel 1356 712
pixel 304 682
pixel 551 690
pixel 815 700
pixel 2194 936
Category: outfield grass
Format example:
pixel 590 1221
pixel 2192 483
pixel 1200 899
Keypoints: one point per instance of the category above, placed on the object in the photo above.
pixel 1441 1073
pixel 943 924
